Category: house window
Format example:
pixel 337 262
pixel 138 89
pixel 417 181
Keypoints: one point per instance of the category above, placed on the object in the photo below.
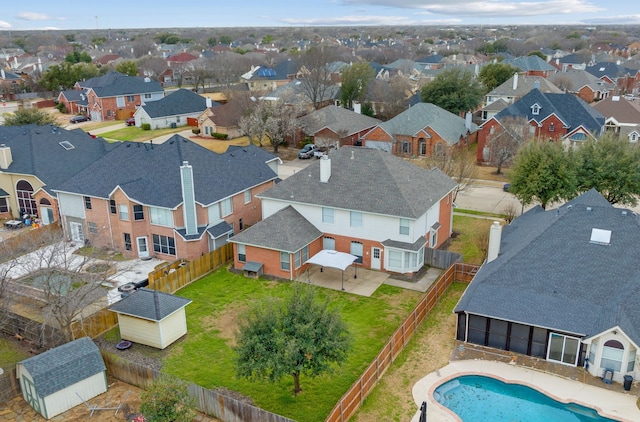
pixel 226 206
pixel 634 137
pixel 631 361
pixel 161 216
pixel 4 205
pixel 242 253
pixel 356 219
pixel 119 101
pixel 131 98
pixel 434 238
pixel 327 215
pixel 112 206
pixel 127 241
pixel 108 113
pixel 423 147
pixel 124 212
pixel 147 96
pixel 552 127
pixel 138 212
pixel 406 147
pixel 395 259
pixel 563 349
pixel 87 202
pixel 93 227
pixel 284 261
pixel 329 243
pixel 164 244
pixel 26 203
pixel 404 226
pixel 612 354
pixel 247 196
pixel 535 109
pixel 304 252
pixel 356 249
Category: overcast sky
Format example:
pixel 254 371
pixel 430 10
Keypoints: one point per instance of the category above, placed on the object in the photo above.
pixel 71 14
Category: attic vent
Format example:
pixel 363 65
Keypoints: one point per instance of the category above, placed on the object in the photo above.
pixel 601 237
pixel 66 145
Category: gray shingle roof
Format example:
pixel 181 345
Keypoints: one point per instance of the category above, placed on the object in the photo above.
pixel 286 230
pixel 572 110
pixel 64 366
pixel 182 101
pixel 149 304
pixel 114 84
pixel 150 174
pixel 372 181
pixel 411 121
pixel 530 63
pixel 523 85
pixel 36 150
pixel 337 119
pixel 549 274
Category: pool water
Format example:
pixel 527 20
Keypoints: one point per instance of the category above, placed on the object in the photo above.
pixel 475 398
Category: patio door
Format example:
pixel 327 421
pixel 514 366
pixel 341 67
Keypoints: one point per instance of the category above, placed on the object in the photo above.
pixel 76 232
pixel 563 349
pixel 143 247
pixel 46 215
pixel 375 258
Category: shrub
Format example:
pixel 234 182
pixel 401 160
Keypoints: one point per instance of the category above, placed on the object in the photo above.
pixel 168 401
pixel 196 131
pixel 146 126
pixel 220 135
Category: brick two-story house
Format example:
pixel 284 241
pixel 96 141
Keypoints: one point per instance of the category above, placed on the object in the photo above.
pixel 173 200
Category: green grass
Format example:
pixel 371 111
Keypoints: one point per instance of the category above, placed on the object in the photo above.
pixel 133 133
pixel 88 127
pixel 206 357
pixel 471 233
pixel 10 354
pixel 481 213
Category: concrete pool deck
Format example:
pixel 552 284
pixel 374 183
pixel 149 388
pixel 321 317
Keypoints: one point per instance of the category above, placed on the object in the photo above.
pixel 615 405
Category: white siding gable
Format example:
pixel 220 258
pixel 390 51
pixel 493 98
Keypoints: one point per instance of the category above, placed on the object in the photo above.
pixel 71 205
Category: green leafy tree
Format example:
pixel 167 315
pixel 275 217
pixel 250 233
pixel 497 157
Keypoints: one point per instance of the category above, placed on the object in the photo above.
pixel 543 172
pixel 355 79
pixel 538 53
pixel 212 41
pixel 495 74
pixel 454 90
pixel 127 67
pixel 65 75
pixel 267 39
pixel 298 336
pixel 78 57
pixel 27 116
pixel 225 39
pixel 167 401
pixel 612 167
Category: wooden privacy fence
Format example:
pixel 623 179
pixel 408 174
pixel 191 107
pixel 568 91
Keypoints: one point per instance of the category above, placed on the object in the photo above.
pixel 178 274
pixel 352 399
pixel 209 402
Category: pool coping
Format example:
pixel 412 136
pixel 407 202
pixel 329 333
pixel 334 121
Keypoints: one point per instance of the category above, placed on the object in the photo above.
pixel 610 404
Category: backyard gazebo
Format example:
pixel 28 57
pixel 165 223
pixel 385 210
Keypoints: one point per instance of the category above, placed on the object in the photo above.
pixel 333 259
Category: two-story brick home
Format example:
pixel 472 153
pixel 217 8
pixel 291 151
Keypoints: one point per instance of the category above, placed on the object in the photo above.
pixel 423 130
pixel 362 201
pixel 115 96
pixel 558 117
pixel 173 200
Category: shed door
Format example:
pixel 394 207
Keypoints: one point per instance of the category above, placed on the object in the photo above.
pixel 30 395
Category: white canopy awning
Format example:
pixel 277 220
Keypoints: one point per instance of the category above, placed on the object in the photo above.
pixel 332 259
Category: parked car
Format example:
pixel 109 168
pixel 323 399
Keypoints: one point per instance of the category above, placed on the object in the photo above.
pixel 307 151
pixel 78 119
pixel 130 121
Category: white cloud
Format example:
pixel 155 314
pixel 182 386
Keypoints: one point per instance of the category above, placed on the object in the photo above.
pixel 495 8
pixel 350 20
pixel 5 25
pixel 609 20
pixel 33 16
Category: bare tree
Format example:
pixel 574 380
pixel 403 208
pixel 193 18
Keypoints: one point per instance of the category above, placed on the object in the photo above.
pixel 202 72
pixel 390 97
pixel 142 48
pixel 562 81
pixel 226 68
pixel 460 165
pixel 509 213
pixel 272 120
pixel 153 66
pixel 503 144
pixel 316 80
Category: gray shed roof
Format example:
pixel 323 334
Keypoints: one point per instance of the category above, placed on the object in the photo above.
pixel 411 121
pixel 182 101
pixel 367 180
pixel 63 366
pixel 549 274
pixel 149 304
pixel 286 230
pixel 150 174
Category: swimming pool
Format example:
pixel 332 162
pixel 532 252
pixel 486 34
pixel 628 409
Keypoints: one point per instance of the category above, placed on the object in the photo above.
pixel 476 398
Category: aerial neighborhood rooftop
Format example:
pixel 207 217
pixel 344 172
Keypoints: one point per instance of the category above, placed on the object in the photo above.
pixel 165 196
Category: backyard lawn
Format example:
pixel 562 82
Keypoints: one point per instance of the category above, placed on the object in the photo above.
pixel 206 357
pixel 10 354
pixel 133 133
pixel 471 237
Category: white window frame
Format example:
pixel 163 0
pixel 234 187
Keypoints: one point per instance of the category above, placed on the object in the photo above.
pixel 123 212
pixel 247 196
pixel 285 265
pixel 564 348
pixel 354 248
pixel 226 207
pixel 325 242
pixel 161 216
pixel 404 229
pixel 356 219
pixel 328 215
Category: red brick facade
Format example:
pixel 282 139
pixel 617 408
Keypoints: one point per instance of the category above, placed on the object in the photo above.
pixel 426 143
